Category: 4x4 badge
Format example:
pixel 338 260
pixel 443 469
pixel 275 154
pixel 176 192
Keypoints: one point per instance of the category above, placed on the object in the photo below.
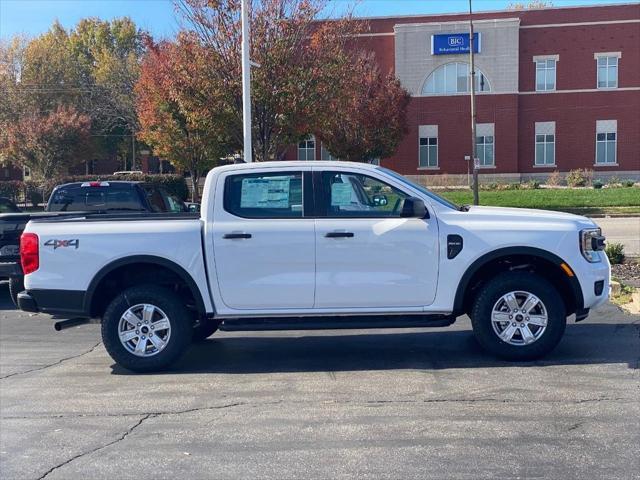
pixel 62 243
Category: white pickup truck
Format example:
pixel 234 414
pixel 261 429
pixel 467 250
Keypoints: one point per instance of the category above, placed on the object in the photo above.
pixel 315 245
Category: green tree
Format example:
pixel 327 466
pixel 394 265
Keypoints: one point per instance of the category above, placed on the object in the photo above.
pixel 190 138
pixel 301 64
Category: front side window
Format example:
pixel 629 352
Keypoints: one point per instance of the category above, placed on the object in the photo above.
pixel 428 152
pixel 354 195
pixel 606 148
pixel 307 148
pixel 485 150
pixel 453 78
pixel 545 74
pixel 607 72
pixel 264 195
pixel 545 149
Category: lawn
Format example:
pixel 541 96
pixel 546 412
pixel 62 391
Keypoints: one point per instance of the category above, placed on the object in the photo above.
pixel 585 201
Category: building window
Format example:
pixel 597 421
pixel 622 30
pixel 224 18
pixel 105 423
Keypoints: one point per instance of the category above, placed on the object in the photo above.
pixel 607 70
pixel 545 143
pixel 428 146
pixel 606 142
pixel 545 73
pixel 485 145
pixel 325 154
pixel 453 78
pixel 307 148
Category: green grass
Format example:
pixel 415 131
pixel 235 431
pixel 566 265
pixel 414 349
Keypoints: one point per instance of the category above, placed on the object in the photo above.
pixel 585 201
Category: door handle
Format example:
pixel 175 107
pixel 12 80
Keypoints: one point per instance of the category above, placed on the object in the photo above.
pixel 236 235
pixel 339 235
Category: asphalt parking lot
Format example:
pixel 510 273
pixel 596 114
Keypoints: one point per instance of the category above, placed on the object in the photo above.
pixel 327 404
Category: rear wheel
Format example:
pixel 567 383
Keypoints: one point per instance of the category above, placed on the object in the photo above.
pixel 518 316
pixel 146 328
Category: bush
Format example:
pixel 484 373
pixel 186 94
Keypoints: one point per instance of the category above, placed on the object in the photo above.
pixel 614 182
pixel 11 189
pixel 615 252
pixel 597 183
pixel 532 184
pixel 578 178
pixel 628 183
pixel 553 180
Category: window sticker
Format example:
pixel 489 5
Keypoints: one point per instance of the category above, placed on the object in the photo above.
pixel 341 194
pixel 272 192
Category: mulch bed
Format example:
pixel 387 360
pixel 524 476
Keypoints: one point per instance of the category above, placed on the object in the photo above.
pixel 627 273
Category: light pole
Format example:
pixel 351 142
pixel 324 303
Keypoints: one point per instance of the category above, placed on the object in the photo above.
pixel 472 78
pixel 246 83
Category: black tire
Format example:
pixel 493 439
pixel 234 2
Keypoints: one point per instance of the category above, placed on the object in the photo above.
pixel 16 285
pixel 175 311
pixel 204 330
pixel 502 284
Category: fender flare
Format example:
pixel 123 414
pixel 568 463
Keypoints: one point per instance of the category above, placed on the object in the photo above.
pixel 150 259
pixel 458 304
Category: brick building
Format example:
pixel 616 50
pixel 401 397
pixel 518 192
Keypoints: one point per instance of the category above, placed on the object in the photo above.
pixel 558 89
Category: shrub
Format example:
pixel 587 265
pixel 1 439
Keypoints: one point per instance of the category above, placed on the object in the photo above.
pixel 615 252
pixel 532 184
pixel 614 182
pixel 628 183
pixel 578 178
pixel 597 183
pixel 553 180
pixel 11 189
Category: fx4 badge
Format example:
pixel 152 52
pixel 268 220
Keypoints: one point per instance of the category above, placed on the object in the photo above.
pixel 62 243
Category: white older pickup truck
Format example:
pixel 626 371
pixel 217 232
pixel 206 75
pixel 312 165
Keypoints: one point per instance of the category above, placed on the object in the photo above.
pixel 315 245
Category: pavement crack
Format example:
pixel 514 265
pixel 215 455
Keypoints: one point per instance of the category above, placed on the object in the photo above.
pixel 44 367
pixel 93 450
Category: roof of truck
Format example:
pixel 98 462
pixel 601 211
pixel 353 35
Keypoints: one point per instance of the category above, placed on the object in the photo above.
pixel 295 163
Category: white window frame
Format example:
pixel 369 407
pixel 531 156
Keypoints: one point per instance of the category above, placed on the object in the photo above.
pixel 544 129
pixel 484 131
pixel 306 148
pixel 479 75
pixel 606 128
pixel 545 58
pixel 429 133
pixel 608 56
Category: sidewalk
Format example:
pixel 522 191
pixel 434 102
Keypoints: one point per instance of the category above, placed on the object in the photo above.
pixel 622 230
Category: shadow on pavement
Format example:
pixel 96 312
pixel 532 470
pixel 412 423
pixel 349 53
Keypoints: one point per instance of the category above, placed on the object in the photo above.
pixel 597 343
pixel 583 344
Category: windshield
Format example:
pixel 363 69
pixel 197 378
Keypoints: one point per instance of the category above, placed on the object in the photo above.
pixel 72 198
pixel 422 189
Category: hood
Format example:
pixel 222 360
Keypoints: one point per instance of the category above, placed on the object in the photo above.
pixel 528 214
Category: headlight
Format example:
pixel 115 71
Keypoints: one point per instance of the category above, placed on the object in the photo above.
pixel 591 242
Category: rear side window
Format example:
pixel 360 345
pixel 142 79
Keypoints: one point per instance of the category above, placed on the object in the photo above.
pixel 264 195
pixel 94 198
pixel 155 199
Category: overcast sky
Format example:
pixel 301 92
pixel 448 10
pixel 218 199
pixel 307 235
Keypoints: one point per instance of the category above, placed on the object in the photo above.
pixel 157 16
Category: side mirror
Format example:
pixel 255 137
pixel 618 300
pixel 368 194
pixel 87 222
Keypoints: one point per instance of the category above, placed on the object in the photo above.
pixel 380 200
pixel 413 207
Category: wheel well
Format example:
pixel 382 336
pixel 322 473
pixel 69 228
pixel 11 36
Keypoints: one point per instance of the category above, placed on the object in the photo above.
pixel 548 269
pixel 122 277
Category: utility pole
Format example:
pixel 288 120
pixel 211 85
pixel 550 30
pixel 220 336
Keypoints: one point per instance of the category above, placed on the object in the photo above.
pixel 246 83
pixel 472 80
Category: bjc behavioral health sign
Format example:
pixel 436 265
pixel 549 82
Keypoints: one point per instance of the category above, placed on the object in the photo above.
pixel 454 43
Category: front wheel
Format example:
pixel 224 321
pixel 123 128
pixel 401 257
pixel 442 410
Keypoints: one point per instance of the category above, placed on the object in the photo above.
pixel 518 316
pixel 146 328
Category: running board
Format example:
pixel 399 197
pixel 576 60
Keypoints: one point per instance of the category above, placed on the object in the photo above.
pixel 334 323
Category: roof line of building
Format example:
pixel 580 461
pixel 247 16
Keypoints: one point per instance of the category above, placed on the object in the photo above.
pixel 389 17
